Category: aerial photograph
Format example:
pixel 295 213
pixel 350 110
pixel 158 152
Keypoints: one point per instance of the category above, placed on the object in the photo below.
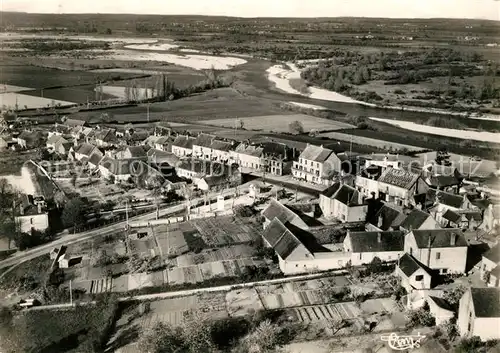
pixel 235 176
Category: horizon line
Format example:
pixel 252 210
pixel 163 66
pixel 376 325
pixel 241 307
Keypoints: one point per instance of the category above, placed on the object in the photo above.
pixel 250 17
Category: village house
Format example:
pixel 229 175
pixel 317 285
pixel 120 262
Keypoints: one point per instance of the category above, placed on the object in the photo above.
pixel 479 314
pixel 388 217
pixel 367 181
pixel 105 138
pixel 183 146
pixel 277 210
pixel 84 151
pixel 248 156
pixel 317 165
pixel 163 143
pixel 491 217
pixel 440 309
pixel 490 266
pixel 59 145
pixel 343 202
pixel 443 250
pixel 418 219
pixel 383 160
pixel 413 274
pixel 363 247
pixel 399 186
pixel 95 159
pixel 118 171
pixel 298 251
pixel 202 146
pixel 196 169
pixel 31 215
pixel 29 139
pixel 133 152
pixel 221 150
pixel 444 201
pixel 463 219
pixel 216 183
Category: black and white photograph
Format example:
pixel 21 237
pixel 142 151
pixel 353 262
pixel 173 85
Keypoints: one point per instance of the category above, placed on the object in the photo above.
pixel 236 176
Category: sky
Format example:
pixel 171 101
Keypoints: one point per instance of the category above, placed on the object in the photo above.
pixel 482 9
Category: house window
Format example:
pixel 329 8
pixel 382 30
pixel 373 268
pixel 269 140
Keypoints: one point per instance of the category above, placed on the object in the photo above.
pixel 31 220
pixel 468 327
pixel 411 251
pixel 438 255
pixel 360 255
pixel 444 271
pixel 419 278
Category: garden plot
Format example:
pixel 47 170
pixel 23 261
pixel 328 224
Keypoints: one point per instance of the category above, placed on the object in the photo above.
pixel 181 275
pixel 280 123
pixel 141 280
pixel 226 230
pixel 171 242
pixel 241 302
pixel 144 247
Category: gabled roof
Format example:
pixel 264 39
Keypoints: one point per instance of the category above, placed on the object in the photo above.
pixel 371 172
pixel 443 304
pixel 369 241
pixel 137 151
pixel 331 190
pixel 449 199
pixel 204 140
pixel 343 193
pixel 439 238
pixel 85 149
pixel 105 135
pixel 53 139
pixel 472 215
pixel 409 265
pixel 398 177
pixel 451 216
pixel 391 217
pixel 215 180
pixel 221 145
pixel 250 150
pixel 441 181
pixel 282 239
pixel 276 150
pixel 493 254
pixel 96 157
pixel 486 301
pixel 284 214
pixel 162 157
pixel 316 153
pixel 415 219
pixel 184 141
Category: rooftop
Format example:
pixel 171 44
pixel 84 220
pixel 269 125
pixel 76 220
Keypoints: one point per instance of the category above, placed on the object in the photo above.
pixel 389 215
pixel 415 219
pixel 409 265
pixel 493 254
pixel 439 238
pixel 399 178
pixel 316 153
pixel 376 241
pixel 184 142
pixel 284 214
pixel 486 301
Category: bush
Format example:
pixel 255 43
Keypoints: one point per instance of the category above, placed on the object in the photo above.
pixel 421 317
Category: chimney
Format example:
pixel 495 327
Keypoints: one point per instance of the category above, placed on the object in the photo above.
pixel 453 239
pixel 379 237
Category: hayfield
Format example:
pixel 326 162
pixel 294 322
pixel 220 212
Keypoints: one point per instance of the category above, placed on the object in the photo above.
pixel 24 101
pixel 280 123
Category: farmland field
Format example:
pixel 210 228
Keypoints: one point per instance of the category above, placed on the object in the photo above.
pixel 279 123
pixel 369 141
pixel 11 100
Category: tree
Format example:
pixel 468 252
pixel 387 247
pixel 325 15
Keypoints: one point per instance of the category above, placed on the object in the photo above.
pixel 453 296
pixel 296 127
pixel 264 338
pixel 73 214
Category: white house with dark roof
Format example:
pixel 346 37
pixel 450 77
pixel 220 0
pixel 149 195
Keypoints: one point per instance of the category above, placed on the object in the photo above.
pixel 490 266
pixel 366 181
pixel 443 250
pixel 445 201
pixel 462 219
pixel 413 274
pixel 317 165
pixel 277 210
pixel 248 156
pixel 297 250
pixel 363 247
pixel 133 152
pixel 343 202
pixel 418 219
pixel 183 145
pixel 383 160
pixel 202 146
pixel 84 150
pixel 388 217
pixel 399 186
pixel 479 314
pixel 29 216
pixel 95 158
